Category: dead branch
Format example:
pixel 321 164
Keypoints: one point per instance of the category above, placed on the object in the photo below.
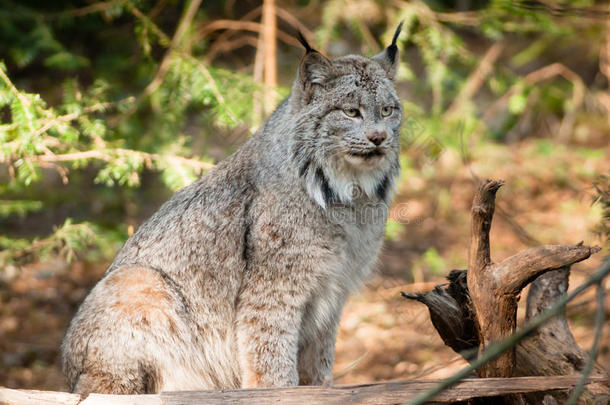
pixel 244 26
pixel 292 20
pixel 218 45
pixel 494 288
pixel 515 272
pixel 375 393
pixel 229 45
pixel 478 307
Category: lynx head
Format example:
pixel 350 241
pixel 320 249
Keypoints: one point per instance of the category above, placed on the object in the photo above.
pixel 348 118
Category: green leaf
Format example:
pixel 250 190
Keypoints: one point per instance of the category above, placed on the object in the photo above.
pixel 66 61
pixel 393 229
pixel 517 103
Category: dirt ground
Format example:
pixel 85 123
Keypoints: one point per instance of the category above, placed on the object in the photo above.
pixel 382 336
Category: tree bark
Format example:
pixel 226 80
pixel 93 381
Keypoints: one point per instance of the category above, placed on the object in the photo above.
pixel 479 306
pixel 373 393
pixel 270 51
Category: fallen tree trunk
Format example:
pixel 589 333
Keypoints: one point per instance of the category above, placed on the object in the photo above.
pixel 376 393
pixel 479 307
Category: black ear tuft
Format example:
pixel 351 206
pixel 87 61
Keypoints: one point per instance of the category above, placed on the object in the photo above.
pixel 396 34
pixel 393 49
pixel 304 42
pixel 314 69
pixel 388 59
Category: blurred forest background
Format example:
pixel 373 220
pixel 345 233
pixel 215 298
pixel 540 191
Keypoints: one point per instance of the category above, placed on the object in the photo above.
pixel 108 107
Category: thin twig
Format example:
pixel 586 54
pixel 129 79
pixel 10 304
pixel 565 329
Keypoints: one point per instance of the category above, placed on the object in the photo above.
pixel 221 43
pixel 72 116
pixel 165 39
pixel 90 9
pixel 229 45
pixel 544 73
pixel 157 8
pixel 519 230
pixel 186 20
pixel 476 78
pixel 109 155
pixel 498 348
pixel 219 97
pixel 292 20
pixel 252 26
pixel 9 127
pixel 156 82
pixel 349 367
pixel 368 36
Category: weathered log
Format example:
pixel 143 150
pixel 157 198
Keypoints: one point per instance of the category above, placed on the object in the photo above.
pixel 376 393
pixel 451 314
pixel 552 349
pixel 495 287
pixel 479 307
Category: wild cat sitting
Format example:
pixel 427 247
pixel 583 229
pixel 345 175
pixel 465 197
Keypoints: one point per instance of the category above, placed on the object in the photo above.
pixel 240 278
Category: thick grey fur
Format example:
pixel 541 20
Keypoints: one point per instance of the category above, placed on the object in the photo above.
pixel 240 278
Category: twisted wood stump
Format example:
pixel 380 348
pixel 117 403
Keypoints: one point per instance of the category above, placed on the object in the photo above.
pixel 479 306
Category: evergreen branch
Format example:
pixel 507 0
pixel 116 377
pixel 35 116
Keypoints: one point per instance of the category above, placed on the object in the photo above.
pixel 72 116
pixel 109 155
pixel 164 39
pixel 19 207
pixel 25 103
pixel 219 97
pixel 66 239
pixel 164 66
pixel 156 82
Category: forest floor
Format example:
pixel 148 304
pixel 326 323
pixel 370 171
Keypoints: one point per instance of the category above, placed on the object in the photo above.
pixel 547 199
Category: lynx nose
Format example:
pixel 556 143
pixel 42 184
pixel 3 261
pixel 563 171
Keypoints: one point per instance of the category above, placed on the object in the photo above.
pixel 377 137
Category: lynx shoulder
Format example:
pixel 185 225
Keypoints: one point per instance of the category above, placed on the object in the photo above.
pixel 239 280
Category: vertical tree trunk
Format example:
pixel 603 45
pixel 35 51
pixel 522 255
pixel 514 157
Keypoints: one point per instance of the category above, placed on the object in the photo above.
pixel 270 52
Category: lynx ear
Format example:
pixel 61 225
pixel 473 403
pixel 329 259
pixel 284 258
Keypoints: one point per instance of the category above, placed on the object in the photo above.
pixel 314 68
pixel 388 59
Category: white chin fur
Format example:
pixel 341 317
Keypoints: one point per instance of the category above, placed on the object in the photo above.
pixel 352 185
pixel 349 180
pixel 362 162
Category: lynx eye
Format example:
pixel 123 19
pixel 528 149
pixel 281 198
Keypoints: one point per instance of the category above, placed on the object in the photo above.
pixel 351 112
pixel 386 111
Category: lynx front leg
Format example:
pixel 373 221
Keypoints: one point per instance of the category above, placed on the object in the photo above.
pixel 316 359
pixel 318 336
pixel 267 338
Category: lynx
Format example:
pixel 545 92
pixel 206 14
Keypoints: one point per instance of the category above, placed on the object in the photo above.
pixel 239 280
